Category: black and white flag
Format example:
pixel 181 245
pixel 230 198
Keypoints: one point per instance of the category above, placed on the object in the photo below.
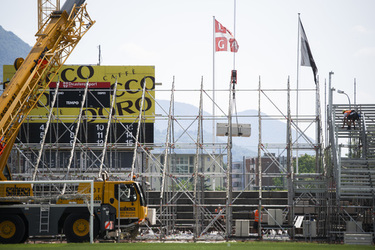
pixel 306 55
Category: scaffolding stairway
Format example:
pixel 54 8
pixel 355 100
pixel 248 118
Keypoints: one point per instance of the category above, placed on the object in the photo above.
pixel 356 170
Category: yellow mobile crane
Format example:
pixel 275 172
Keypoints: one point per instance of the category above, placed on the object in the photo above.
pixel 21 215
pixel 56 40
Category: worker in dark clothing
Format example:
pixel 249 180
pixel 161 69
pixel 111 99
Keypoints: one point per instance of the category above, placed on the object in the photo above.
pixel 350 117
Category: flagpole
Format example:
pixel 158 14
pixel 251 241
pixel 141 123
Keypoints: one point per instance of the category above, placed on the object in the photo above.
pixel 213 92
pixel 213 81
pixel 234 33
pixel 298 64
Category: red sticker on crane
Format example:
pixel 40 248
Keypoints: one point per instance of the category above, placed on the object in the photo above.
pixel 108 225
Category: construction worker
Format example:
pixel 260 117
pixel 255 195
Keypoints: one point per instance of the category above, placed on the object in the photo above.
pixel 256 218
pixel 219 211
pixel 220 218
pixel 350 116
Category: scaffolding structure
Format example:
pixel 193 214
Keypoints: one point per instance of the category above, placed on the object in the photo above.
pixel 340 192
pixel 327 196
pixel 306 190
pixel 351 172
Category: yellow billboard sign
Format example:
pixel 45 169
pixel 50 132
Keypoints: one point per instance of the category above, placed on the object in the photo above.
pixel 72 80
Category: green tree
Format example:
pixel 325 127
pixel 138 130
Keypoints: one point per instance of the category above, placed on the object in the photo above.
pixel 185 185
pixel 278 183
pixel 306 164
pixel 220 188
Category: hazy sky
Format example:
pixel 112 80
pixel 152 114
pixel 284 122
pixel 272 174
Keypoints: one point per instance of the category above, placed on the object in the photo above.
pixel 177 37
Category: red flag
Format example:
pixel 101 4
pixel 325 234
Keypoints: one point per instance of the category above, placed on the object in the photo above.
pixel 233 45
pixel 219 28
pixel 222 37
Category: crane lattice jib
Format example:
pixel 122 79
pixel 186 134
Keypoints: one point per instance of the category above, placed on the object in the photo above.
pixel 55 42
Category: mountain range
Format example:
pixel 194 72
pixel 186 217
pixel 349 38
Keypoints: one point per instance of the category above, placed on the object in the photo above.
pixel 186 127
pixel 11 47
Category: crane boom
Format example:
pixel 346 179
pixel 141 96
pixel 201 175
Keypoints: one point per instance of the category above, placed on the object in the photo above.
pixel 55 41
pixel 25 208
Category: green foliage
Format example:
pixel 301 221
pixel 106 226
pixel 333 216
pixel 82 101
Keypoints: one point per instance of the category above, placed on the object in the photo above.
pixel 185 185
pixel 279 183
pixel 306 164
pixel 189 186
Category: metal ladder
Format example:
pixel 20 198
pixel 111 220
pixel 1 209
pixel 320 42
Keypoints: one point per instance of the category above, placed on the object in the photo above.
pixel 44 218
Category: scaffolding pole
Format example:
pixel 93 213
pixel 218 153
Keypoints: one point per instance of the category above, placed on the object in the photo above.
pixel 259 164
pixel 290 173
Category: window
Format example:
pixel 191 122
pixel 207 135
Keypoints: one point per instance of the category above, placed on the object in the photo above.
pixel 191 160
pixel 141 194
pixel 126 192
pixel 182 165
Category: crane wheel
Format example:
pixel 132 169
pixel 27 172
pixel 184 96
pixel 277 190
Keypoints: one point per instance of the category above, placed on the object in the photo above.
pixel 134 233
pixel 12 229
pixel 18 62
pixel 77 228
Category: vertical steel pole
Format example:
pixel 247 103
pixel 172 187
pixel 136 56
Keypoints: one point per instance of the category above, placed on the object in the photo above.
pixel 197 169
pixel 213 88
pixel 92 212
pixel 166 163
pixel 228 208
pixel 118 213
pixel 317 131
pixel 290 169
pixel 259 164
pixel 297 93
